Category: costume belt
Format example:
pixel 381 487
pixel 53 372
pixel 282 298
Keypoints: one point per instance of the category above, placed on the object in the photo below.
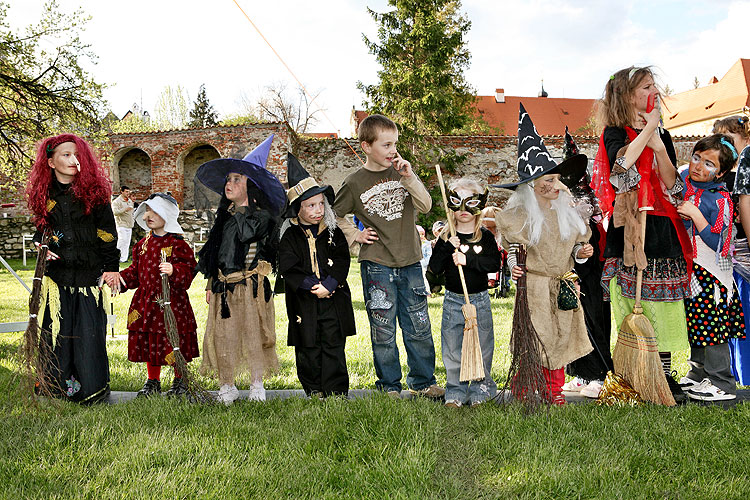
pixel 260 271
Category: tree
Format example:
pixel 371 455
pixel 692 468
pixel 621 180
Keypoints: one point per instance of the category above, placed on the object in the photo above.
pixel 43 87
pixel 276 104
pixel 203 113
pixel 171 110
pixel 423 55
pixel 667 90
pixel 696 83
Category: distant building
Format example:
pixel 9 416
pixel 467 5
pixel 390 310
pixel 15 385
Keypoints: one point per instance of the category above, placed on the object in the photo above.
pixel 550 114
pixel 693 112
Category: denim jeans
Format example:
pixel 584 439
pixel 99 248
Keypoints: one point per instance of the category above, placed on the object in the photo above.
pixel 452 335
pixel 393 293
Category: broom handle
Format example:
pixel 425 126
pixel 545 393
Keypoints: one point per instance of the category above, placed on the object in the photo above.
pixel 452 229
pixel 639 273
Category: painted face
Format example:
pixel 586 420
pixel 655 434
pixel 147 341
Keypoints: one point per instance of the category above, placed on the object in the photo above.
pixel 312 210
pixel 645 88
pixel 64 162
pixel 467 201
pixel 548 186
pixel 153 220
pixel 236 188
pixel 704 165
pixel 382 151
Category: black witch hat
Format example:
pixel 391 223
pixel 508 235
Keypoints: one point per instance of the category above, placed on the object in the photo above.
pixel 302 186
pixel 534 160
pixel 574 175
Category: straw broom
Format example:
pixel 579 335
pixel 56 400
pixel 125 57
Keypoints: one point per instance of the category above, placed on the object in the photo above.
pixel 636 353
pixel 196 391
pixel 525 376
pixel 472 364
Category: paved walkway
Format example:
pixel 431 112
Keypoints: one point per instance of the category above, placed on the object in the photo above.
pixel 743 395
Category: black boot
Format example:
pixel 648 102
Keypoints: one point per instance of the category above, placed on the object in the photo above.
pixel 151 387
pixel 677 393
pixel 179 388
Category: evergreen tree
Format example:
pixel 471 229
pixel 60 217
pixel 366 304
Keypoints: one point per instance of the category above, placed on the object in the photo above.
pixel 202 114
pixel 423 54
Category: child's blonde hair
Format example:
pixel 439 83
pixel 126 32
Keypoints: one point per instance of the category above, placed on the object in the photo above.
pixel 615 108
pixel 473 186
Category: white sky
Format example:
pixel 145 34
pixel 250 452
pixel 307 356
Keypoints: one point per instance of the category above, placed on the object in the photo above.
pixel 573 45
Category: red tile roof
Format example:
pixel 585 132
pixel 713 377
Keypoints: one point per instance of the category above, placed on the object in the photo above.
pixel 726 96
pixel 549 114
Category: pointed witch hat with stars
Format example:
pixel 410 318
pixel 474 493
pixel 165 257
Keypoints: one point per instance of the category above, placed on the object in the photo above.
pixel 534 160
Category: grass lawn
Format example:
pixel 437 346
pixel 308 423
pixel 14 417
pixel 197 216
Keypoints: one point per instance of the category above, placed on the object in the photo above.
pixel 367 448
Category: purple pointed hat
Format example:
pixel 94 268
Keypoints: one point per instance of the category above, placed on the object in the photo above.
pixel 213 174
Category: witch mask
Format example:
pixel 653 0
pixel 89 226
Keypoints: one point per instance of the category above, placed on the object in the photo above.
pixel 472 204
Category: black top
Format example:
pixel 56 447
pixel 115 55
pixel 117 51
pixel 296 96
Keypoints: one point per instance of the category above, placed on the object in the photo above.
pixel 482 257
pixel 729 179
pixel 661 236
pixel 85 243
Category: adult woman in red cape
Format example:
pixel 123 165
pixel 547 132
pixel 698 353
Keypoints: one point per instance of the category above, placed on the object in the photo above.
pixel 634 170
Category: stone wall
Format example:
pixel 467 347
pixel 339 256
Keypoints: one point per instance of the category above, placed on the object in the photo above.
pixel 12 230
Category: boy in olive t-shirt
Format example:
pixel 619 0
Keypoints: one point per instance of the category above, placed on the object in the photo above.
pixel 385 195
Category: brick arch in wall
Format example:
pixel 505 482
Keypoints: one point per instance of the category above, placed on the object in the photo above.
pixel 195 195
pixel 131 166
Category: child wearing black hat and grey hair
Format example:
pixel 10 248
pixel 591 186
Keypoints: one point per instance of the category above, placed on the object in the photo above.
pixel 147 338
pixel 314 261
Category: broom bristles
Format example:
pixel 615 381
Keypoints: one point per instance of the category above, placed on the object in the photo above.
pixel 472 364
pixel 636 359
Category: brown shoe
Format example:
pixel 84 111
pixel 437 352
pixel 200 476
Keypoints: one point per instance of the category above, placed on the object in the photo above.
pixel 432 392
pixel 453 404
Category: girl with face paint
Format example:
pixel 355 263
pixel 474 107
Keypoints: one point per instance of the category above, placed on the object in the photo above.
pixel 475 249
pixel 714 313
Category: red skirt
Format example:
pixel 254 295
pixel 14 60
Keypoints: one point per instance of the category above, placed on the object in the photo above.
pixel 154 347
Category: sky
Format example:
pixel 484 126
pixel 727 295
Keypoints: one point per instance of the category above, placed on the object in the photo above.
pixel 574 46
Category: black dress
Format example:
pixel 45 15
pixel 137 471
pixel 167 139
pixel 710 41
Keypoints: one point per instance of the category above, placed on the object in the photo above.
pixel 87 247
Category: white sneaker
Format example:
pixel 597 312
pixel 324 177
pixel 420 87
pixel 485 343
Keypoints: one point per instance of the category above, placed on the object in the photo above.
pixel 228 394
pixel 575 385
pixel 687 383
pixel 706 391
pixel 593 389
pixel 257 392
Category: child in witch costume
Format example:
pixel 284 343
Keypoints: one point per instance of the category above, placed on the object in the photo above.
pixel 589 371
pixel 68 192
pixel 314 261
pixel 540 216
pixel 714 313
pixel 634 171
pixel 147 338
pixel 237 259
pixel 479 255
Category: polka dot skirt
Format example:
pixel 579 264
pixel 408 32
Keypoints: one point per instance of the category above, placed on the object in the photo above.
pixel 709 322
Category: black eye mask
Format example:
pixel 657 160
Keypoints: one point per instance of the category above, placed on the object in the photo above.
pixel 472 204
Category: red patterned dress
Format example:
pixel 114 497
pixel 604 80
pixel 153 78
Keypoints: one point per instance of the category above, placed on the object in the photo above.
pixel 147 339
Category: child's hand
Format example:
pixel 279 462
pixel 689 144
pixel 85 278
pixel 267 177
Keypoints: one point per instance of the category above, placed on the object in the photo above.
pixel 454 241
pixel 112 279
pixel 367 236
pixel 208 296
pixel 459 258
pixel 516 272
pixel 166 268
pixel 320 291
pixel 688 210
pixel 402 166
pixel 585 251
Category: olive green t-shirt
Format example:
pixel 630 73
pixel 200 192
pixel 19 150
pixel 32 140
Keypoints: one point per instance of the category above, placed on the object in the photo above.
pixel 388 203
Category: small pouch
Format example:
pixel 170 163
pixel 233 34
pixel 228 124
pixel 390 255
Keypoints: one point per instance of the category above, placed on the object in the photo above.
pixel 567 299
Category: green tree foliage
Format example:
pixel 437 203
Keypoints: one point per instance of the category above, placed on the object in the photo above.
pixel 203 113
pixel 44 89
pixel 423 54
pixel 171 110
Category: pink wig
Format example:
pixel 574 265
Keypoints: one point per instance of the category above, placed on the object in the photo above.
pixel 91 186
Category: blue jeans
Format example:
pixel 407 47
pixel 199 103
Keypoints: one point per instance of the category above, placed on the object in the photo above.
pixel 399 293
pixel 452 335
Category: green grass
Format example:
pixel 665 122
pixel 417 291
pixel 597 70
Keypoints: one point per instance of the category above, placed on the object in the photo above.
pixel 368 448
